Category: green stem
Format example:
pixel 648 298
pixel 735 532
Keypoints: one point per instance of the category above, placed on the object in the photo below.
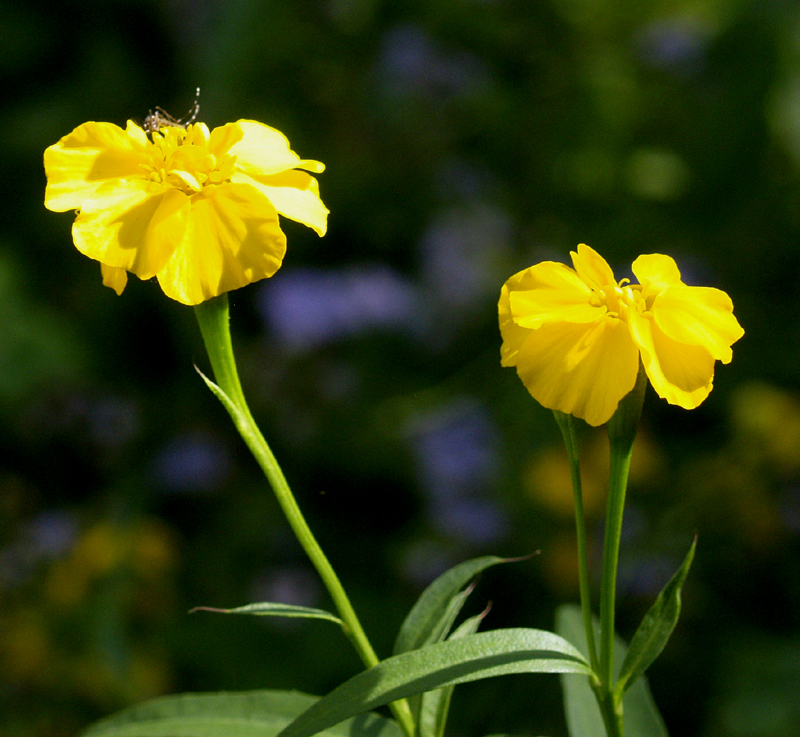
pixel 213 317
pixel 611 711
pixel 566 424
pixel 621 434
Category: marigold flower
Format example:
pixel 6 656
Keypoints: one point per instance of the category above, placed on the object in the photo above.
pixel 577 335
pixel 197 209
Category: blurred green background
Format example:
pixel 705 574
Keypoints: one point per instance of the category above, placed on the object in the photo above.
pixel 465 140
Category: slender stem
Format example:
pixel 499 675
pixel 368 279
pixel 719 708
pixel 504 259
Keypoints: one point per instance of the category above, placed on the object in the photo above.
pixel 566 424
pixel 621 433
pixel 618 481
pixel 213 318
pixel 612 714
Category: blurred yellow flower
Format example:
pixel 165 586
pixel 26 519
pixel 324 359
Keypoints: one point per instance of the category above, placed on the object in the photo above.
pixel 197 209
pixel 576 336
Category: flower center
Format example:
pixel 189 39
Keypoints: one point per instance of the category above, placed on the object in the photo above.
pixel 619 299
pixel 180 158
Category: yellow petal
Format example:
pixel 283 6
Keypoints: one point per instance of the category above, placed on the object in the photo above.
pixel 223 138
pixel 555 293
pixel 513 335
pixel 656 272
pixel 132 224
pixel 582 369
pixel 82 160
pixel 294 194
pixel 700 316
pixel 592 267
pixel 233 238
pixel 262 150
pixel 114 277
pixel 680 373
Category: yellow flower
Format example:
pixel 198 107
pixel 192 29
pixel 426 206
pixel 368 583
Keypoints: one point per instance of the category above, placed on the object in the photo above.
pixel 196 209
pixel 577 335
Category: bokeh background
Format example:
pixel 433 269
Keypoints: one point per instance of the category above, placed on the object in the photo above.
pixel 465 140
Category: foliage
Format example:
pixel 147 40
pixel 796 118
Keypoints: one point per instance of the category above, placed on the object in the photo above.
pixel 463 141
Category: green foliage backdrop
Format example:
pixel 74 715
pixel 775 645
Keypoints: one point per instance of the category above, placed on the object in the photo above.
pixel 464 140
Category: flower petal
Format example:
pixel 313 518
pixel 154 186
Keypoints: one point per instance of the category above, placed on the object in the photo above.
pixel 294 194
pixel 701 316
pixel 680 373
pixel 592 268
pixel 132 224
pixel 114 277
pixel 233 238
pixel 224 137
pixel 92 154
pixel 264 150
pixel 656 272
pixel 582 369
pixel 552 292
pixel 513 335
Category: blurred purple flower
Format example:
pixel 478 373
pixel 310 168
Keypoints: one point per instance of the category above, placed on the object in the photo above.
pixel 413 63
pixel 289 584
pixel 48 535
pixel 478 520
pixel 113 421
pixel 672 44
pixel 456 451
pixel 645 576
pixel 192 462
pixel 308 308
pixel 464 255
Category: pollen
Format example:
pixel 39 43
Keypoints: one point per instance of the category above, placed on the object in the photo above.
pixel 181 159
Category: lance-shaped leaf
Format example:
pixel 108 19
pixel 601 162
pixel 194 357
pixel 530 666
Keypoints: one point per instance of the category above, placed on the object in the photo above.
pixel 640 715
pixel 435 705
pixel 272 609
pixel 468 658
pixel 435 611
pixel 245 714
pixel 656 627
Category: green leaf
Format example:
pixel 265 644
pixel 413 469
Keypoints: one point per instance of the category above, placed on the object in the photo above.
pixel 245 714
pixel 437 634
pixel 435 705
pixel 227 402
pixel 640 714
pixel 656 627
pixel 271 609
pixel 468 658
pixel 431 617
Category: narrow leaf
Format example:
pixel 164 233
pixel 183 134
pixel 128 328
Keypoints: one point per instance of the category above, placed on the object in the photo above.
pixel 580 706
pixel 656 627
pixel 423 625
pixel 271 609
pixel 438 632
pixel 640 714
pixel 217 391
pixel 245 714
pixel 468 658
pixel 436 704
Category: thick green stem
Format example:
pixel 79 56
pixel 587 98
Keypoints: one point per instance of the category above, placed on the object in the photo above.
pixel 566 424
pixel 612 714
pixel 621 434
pixel 214 321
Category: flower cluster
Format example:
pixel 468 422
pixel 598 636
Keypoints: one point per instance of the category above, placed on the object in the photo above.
pixel 577 336
pixel 197 209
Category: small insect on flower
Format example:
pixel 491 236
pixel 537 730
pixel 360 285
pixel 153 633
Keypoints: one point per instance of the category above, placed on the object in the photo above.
pixel 196 208
pixel 162 119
